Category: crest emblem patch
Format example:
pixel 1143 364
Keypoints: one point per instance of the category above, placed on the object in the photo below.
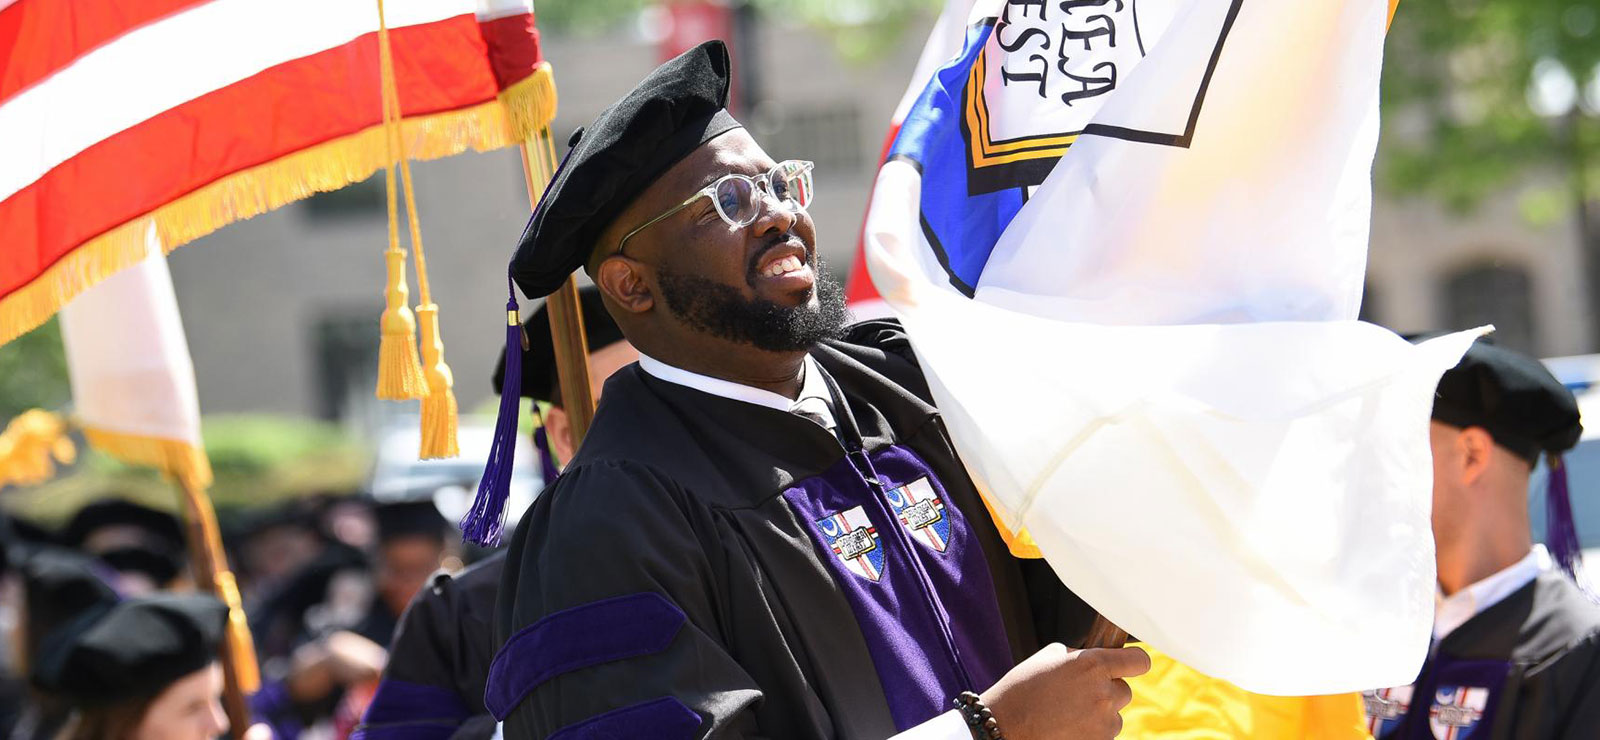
pixel 853 538
pixel 921 512
pixel 1386 708
pixel 1456 711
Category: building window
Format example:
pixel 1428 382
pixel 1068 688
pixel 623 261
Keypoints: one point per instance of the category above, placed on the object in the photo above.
pixel 1492 294
pixel 345 349
pixel 357 200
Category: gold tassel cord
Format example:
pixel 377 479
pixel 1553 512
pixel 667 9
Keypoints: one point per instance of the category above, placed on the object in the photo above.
pixel 32 445
pixel 400 375
pixel 439 411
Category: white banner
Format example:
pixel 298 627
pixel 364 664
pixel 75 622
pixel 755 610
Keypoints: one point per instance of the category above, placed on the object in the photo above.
pixel 1128 241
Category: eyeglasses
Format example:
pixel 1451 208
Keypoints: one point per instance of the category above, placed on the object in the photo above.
pixel 737 198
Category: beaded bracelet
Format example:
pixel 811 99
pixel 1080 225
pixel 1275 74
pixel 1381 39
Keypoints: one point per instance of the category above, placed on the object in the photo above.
pixel 980 721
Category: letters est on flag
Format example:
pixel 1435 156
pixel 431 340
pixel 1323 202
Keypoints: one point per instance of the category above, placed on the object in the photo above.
pixel 116 115
pixel 1128 241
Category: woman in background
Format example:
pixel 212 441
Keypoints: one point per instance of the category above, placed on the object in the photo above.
pixel 139 669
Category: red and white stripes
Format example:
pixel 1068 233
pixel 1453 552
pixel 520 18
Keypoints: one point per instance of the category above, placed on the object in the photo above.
pixel 111 110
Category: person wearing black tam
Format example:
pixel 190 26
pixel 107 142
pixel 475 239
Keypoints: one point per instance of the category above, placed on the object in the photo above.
pixel 142 669
pixel 439 660
pixel 766 532
pixel 58 585
pixel 144 545
pixel 1516 639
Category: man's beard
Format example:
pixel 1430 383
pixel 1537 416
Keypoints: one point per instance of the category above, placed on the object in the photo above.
pixel 719 310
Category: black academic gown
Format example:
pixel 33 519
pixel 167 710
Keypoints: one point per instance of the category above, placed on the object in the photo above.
pixel 432 688
pixel 1526 668
pixel 712 568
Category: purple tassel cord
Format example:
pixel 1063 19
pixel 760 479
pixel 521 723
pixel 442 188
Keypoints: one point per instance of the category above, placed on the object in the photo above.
pixel 1561 533
pixel 483 524
pixel 547 459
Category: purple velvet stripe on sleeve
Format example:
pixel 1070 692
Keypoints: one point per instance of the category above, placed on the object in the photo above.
pixel 583 636
pixel 403 701
pixel 664 719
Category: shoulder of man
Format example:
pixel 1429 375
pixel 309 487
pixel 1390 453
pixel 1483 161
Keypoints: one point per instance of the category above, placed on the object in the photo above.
pixel 1562 622
pixel 883 346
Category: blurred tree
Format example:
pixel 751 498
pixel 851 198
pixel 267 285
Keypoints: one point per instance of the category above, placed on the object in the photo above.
pixel 259 460
pixel 1480 94
pixel 33 372
pixel 860 29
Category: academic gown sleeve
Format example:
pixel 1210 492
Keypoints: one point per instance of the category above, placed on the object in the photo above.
pixel 609 615
pixel 439 650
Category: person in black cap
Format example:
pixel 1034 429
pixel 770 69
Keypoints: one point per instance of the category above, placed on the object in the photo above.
pixel 766 531
pixel 145 546
pixel 439 660
pixel 57 586
pixel 342 652
pixel 1516 639
pixel 141 669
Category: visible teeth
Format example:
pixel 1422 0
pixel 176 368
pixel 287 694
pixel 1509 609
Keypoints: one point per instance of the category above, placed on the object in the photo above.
pixel 783 266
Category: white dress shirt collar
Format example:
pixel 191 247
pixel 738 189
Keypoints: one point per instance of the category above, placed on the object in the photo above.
pixel 814 398
pixel 1450 612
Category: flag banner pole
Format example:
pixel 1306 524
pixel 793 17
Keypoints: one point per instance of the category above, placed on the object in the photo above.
pixel 241 675
pixel 1104 634
pixel 566 319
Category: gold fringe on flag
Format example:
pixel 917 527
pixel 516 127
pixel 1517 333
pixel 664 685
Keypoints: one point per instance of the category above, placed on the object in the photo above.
pixel 179 459
pixel 250 192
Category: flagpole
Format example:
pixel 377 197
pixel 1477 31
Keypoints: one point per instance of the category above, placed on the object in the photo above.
pixel 566 318
pixel 240 673
pixel 1104 634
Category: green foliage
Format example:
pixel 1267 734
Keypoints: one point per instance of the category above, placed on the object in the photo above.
pixel 1457 75
pixel 860 29
pixel 33 372
pixel 258 460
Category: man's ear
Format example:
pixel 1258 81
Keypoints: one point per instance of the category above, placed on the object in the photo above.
pixel 622 279
pixel 1477 447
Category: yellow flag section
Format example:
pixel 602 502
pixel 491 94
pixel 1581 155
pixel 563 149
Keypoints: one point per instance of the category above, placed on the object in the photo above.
pixel 1176 702
pixel 134 396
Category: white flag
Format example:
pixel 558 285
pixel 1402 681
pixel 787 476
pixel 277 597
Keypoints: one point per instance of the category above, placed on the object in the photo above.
pixel 133 385
pixel 1146 349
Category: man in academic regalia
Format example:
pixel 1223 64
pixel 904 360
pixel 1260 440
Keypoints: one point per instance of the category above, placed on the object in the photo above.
pixel 766 532
pixel 1516 642
pixel 439 660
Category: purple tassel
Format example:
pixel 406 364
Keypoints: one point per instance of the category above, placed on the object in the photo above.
pixel 483 523
pixel 1561 534
pixel 547 459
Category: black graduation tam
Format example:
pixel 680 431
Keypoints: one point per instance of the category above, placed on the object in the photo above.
pixel 1513 397
pixel 135 649
pixel 539 359
pixel 162 530
pixel 675 109
pixel 58 585
pixel 409 518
